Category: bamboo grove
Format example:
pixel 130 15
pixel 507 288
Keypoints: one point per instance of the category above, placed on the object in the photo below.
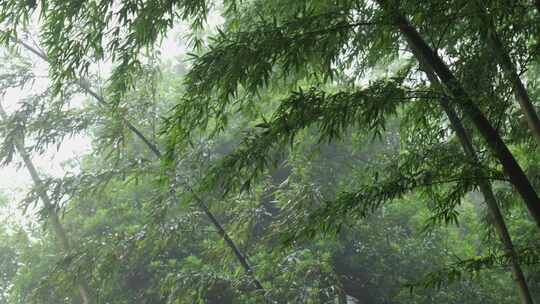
pixel 307 151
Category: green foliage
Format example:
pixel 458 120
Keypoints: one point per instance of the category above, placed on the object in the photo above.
pixel 305 128
pixel 333 114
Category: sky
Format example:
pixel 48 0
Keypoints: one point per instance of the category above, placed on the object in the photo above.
pixel 15 181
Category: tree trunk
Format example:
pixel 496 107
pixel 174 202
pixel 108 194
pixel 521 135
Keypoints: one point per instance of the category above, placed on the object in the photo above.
pixel 425 54
pixel 485 187
pixel 510 72
pixel 495 213
pixel 58 228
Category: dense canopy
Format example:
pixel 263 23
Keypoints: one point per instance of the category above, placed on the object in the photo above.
pixel 270 151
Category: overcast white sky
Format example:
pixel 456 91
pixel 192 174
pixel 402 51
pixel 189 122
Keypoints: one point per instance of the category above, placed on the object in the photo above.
pixel 14 181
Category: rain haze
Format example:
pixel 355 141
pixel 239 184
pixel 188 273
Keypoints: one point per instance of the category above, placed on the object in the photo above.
pixel 269 151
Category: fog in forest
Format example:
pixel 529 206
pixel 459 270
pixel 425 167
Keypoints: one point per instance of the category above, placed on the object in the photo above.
pixel 269 151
